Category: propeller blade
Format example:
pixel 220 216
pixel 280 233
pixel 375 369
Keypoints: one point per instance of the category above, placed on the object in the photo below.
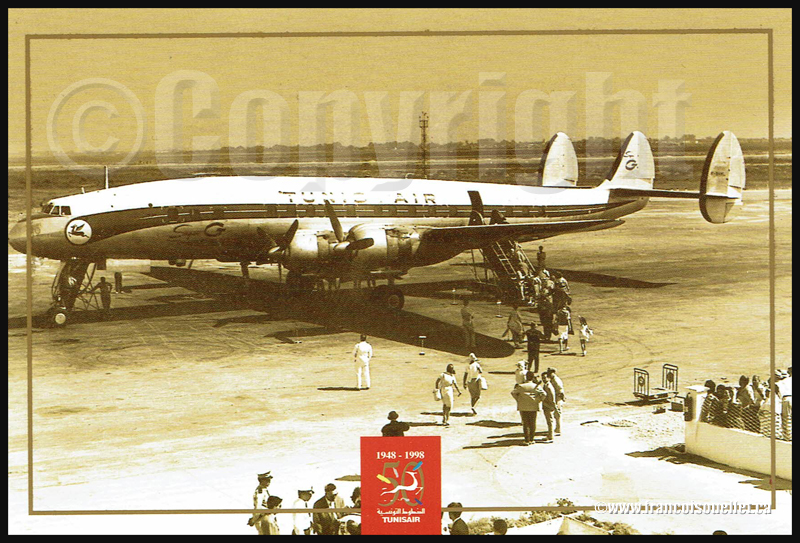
pixel 337 226
pixel 359 244
pixel 289 235
pixel 284 241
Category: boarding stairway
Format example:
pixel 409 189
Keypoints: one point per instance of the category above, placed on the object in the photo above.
pixel 512 274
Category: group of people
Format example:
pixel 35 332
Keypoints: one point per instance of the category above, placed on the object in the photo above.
pixel 553 304
pixel 534 393
pixel 534 339
pixel 320 523
pixel 447 385
pixel 747 406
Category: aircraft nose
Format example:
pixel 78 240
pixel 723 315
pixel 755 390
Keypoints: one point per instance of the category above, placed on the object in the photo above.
pixel 17 237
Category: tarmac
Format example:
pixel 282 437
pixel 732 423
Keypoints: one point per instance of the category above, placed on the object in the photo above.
pixel 192 385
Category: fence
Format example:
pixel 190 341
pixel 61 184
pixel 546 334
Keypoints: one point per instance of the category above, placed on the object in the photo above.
pixel 754 418
pixel 715 432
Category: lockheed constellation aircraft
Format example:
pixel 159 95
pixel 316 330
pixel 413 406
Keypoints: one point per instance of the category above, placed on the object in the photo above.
pixel 353 229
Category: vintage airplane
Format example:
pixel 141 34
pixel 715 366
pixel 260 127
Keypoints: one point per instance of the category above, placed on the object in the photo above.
pixel 355 228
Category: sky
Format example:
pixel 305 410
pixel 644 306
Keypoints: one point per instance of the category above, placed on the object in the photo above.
pixel 123 95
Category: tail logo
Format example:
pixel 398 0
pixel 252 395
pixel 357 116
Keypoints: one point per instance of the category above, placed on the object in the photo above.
pixel 78 232
pixel 631 164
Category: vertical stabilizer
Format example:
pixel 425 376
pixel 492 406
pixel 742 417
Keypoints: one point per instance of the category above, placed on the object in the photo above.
pixel 723 179
pixel 634 167
pixel 559 166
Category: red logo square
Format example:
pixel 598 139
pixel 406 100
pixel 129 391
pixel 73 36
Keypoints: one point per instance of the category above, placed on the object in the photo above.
pixel 401 485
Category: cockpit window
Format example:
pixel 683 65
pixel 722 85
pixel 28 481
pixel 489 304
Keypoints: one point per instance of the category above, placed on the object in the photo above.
pixel 51 209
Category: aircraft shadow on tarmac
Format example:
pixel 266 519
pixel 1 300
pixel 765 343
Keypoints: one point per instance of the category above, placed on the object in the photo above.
pixel 345 310
pixel 674 456
pixel 603 280
pixel 591 278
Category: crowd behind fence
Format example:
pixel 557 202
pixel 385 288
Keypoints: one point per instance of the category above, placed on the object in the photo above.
pixel 747 406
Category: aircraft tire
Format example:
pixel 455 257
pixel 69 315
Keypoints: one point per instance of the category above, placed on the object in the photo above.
pixel 394 299
pixel 58 317
pixel 378 294
pixel 388 297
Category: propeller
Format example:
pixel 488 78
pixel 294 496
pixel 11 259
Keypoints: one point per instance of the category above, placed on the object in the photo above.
pixel 281 244
pixel 337 226
pixel 343 244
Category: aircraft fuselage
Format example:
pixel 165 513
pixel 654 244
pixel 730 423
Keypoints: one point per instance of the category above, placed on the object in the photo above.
pixel 239 218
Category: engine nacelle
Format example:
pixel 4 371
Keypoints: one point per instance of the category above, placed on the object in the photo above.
pixel 392 247
pixel 303 251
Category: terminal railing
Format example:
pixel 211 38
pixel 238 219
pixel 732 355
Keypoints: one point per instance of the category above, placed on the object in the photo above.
pixel 754 417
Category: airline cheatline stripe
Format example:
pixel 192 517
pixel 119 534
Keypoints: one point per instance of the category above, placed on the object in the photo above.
pixel 106 225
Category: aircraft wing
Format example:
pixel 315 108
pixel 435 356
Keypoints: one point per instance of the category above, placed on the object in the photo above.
pixel 481 235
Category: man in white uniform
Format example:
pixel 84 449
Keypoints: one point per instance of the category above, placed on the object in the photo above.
pixel 362 354
pixel 302 521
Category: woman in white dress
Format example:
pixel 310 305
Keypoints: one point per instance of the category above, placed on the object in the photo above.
pixel 446 383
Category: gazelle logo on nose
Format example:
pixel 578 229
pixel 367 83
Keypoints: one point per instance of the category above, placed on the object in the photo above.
pixel 78 231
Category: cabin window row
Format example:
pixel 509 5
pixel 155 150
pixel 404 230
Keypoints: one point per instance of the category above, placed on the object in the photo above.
pixel 174 214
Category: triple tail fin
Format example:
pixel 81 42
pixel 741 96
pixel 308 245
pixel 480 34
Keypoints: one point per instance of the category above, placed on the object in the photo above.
pixel 723 179
pixel 559 165
pixel 721 185
pixel 634 167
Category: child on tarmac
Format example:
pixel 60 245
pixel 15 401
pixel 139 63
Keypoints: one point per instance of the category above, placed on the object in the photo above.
pixel 584 333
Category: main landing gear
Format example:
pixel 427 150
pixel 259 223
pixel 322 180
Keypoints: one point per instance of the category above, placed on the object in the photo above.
pixel 388 296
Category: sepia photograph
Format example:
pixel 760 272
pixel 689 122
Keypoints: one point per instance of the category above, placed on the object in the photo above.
pixel 407 271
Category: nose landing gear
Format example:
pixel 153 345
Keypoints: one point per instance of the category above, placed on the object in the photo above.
pixel 72 290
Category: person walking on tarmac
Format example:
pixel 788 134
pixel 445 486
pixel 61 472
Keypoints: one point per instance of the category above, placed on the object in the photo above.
pixel 105 294
pixel 558 387
pixel 540 259
pixel 445 384
pixel 515 326
pixel 528 395
pixel 546 314
pixel 564 318
pixel 548 405
pixel 534 338
pixel 362 354
pixel 467 323
pixel 472 381
pixel 584 333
